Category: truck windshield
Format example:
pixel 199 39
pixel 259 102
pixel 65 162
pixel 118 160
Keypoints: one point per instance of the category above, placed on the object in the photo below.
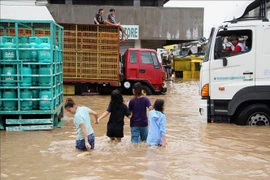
pixel 208 47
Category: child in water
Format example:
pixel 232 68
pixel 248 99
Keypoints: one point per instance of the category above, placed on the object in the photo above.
pixel 157 130
pixel 117 110
pixel 138 107
pixel 85 138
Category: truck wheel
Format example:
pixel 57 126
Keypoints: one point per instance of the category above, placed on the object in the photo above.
pixel 254 115
pixel 146 90
pixel 78 89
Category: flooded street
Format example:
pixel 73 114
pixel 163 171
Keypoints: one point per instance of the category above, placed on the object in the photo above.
pixel 195 150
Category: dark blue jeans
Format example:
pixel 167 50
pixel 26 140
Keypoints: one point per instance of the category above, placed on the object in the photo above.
pixel 80 144
pixel 139 134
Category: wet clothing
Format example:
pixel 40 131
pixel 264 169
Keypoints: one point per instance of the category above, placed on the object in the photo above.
pixel 138 122
pixel 111 18
pixel 157 128
pixel 99 19
pixel 138 108
pixel 80 144
pixel 115 126
pixel 82 116
pixel 139 134
pixel 115 131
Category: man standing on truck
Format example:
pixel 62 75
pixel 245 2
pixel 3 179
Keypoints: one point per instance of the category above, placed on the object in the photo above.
pixel 111 20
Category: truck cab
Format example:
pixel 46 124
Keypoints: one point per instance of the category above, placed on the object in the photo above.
pixel 235 85
pixel 142 65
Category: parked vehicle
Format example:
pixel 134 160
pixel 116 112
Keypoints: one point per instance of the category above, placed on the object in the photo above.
pixel 235 86
pixel 92 62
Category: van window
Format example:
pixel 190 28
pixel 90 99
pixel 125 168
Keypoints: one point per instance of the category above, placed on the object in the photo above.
pixel 154 57
pixel 232 43
pixel 147 58
pixel 133 57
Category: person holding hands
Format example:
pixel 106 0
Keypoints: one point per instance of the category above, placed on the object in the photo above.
pixel 157 130
pixel 117 110
pixel 85 138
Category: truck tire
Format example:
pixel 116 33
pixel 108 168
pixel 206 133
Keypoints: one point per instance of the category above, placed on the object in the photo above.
pixel 254 115
pixel 146 90
pixel 78 89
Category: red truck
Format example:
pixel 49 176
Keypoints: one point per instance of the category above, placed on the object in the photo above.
pixel 93 64
pixel 142 65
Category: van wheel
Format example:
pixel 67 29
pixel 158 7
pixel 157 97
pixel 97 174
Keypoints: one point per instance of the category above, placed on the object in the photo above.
pixel 254 115
pixel 146 90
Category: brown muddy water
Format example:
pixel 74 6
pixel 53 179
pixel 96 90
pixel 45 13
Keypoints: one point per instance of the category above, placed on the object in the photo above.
pixel 195 150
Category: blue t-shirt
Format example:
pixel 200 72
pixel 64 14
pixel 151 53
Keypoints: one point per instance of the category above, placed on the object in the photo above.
pixel 138 108
pixel 157 128
pixel 82 115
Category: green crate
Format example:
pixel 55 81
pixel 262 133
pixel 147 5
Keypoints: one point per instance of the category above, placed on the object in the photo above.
pixel 33 50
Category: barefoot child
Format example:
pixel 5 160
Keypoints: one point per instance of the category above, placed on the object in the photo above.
pixel 85 138
pixel 117 110
pixel 157 130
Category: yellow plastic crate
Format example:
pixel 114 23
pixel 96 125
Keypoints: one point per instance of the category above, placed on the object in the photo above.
pixel 195 74
pixel 182 65
pixel 187 74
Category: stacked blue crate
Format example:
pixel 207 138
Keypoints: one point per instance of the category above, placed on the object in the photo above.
pixel 31 84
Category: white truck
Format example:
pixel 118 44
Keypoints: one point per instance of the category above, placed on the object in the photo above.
pixel 235 86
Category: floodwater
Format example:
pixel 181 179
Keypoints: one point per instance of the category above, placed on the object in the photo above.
pixel 195 150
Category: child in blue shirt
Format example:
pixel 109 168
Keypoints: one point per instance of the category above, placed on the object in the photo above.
pixel 85 138
pixel 157 130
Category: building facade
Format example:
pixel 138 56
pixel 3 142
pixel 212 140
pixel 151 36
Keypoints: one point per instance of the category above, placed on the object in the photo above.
pixel 148 23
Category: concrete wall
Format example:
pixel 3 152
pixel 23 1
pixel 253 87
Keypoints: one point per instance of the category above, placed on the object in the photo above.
pixel 155 23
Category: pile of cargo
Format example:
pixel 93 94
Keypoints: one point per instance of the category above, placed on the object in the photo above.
pixel 31 81
pixel 187 67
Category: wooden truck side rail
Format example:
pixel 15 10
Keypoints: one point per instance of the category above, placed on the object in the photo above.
pixel 91 53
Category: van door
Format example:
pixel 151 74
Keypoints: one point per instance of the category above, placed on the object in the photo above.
pixel 131 64
pixel 231 72
pixel 149 68
pixel 263 59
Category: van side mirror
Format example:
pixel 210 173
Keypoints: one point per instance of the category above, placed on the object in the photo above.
pixel 202 40
pixel 218 47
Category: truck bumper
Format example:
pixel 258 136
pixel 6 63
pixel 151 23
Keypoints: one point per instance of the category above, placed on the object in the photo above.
pixel 203 110
pixel 164 89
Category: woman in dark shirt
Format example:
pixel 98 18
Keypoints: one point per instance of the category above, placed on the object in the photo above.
pixel 118 110
pixel 138 107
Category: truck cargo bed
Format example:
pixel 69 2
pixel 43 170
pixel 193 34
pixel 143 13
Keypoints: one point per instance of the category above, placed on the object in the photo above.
pixel 91 53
